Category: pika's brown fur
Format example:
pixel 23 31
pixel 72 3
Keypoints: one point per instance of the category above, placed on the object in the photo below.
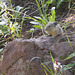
pixel 54 29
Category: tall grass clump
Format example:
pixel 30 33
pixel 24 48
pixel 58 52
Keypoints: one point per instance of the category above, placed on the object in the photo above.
pixel 45 17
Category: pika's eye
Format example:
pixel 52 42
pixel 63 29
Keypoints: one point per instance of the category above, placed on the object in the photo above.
pixel 49 26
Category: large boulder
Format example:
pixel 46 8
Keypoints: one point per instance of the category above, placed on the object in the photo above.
pixel 24 57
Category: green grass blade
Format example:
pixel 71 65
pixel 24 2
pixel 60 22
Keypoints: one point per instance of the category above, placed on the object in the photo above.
pixel 70 56
pixel 50 71
pixel 39 7
pixel 52 58
pixel 45 72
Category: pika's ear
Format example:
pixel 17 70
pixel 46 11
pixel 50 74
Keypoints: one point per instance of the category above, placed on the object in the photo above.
pixel 55 23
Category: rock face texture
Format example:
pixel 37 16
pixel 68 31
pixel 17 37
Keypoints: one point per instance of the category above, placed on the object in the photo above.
pixel 24 56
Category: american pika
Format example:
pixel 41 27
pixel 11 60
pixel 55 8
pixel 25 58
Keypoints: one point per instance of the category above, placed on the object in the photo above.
pixel 54 29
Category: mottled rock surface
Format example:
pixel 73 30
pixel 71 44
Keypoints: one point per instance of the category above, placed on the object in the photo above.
pixel 24 57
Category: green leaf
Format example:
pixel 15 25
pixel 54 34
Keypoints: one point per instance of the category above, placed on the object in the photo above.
pixel 49 70
pixel 52 58
pixel 45 72
pixel 37 26
pixel 39 6
pixel 49 2
pixel 32 18
pixel 70 56
pixel 12 29
pixel 33 22
pixel 42 20
pixel 31 30
pixel 37 17
pixel 69 66
pixel 53 14
pixel 50 18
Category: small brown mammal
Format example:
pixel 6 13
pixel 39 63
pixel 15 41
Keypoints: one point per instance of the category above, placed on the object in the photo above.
pixel 54 29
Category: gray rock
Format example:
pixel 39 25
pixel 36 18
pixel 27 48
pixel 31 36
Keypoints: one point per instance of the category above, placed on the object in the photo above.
pixel 18 54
